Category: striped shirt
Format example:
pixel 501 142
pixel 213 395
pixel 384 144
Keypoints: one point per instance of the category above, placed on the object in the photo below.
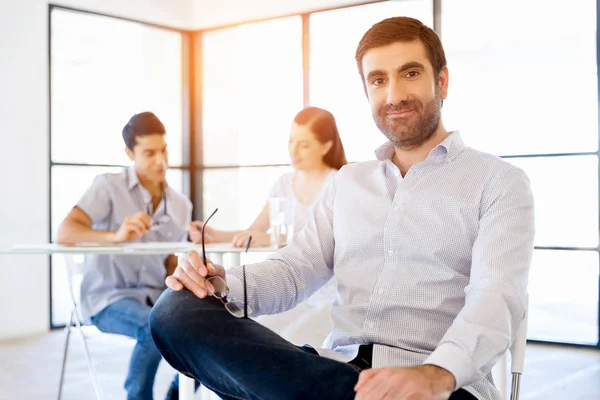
pixel 108 278
pixel 431 267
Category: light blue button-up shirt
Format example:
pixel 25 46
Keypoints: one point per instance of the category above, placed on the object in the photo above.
pixel 431 267
pixel 108 278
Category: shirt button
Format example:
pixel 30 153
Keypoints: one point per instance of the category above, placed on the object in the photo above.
pixel 397 208
pixel 371 325
pixel 168 234
pixel 390 252
pixel 380 291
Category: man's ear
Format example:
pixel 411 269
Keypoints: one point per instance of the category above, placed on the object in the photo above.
pixel 442 82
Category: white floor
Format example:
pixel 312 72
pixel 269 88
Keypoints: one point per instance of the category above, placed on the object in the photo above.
pixel 29 370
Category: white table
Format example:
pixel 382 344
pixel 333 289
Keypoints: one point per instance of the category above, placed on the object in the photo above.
pixel 227 255
pixel 223 254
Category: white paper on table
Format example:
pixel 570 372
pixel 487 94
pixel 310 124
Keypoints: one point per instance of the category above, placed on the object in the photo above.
pixel 150 246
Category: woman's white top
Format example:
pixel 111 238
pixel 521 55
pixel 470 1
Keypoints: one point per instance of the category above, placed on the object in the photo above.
pixel 284 187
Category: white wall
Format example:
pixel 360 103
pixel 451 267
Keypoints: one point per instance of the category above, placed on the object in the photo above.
pixel 24 282
pixel 209 13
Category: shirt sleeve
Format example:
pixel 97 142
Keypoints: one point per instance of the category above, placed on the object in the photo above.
pixel 495 301
pixel 295 272
pixel 96 201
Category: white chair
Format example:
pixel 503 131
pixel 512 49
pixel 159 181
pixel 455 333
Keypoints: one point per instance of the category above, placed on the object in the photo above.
pixel 74 269
pixel 517 353
pixel 74 275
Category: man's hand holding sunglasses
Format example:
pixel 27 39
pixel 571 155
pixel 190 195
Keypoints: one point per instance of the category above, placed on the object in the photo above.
pixel 204 278
pixel 191 273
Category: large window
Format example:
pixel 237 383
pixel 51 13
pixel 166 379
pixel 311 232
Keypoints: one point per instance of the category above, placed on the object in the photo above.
pixel 104 70
pixel 252 88
pixel 530 92
pixel 528 89
pixel 563 290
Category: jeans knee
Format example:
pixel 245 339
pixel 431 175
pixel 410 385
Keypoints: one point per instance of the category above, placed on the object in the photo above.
pixel 164 317
pixel 180 315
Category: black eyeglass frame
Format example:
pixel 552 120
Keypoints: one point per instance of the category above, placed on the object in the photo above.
pixel 224 298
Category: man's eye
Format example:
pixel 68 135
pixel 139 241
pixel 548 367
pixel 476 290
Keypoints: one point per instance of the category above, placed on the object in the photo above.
pixel 412 74
pixel 378 82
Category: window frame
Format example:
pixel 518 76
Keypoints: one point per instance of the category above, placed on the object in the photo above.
pixel 186 118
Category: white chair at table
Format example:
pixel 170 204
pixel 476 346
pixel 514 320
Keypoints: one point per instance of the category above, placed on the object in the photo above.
pixel 74 271
pixel 517 353
pixel 74 275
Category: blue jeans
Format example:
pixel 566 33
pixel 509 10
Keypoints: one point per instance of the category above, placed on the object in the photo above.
pixel 240 359
pixel 130 317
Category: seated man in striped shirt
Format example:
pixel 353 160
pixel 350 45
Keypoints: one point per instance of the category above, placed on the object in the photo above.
pixel 430 244
pixel 134 205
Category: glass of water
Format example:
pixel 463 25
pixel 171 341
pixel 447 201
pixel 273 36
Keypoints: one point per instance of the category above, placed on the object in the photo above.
pixel 281 220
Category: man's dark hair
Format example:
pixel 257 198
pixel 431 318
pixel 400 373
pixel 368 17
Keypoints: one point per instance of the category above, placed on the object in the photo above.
pixel 402 29
pixel 142 124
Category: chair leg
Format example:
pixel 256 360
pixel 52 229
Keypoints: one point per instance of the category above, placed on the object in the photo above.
pixel 65 354
pixel 69 264
pixel 514 390
pixel 88 357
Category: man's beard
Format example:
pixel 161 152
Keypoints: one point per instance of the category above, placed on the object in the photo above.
pixel 414 130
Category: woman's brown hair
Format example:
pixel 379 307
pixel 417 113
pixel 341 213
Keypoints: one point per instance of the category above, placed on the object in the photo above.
pixel 322 124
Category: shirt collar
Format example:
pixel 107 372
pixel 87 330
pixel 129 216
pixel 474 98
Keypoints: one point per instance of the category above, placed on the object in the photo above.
pixel 453 145
pixel 132 178
pixel 133 181
pixel 445 151
pixel 385 152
